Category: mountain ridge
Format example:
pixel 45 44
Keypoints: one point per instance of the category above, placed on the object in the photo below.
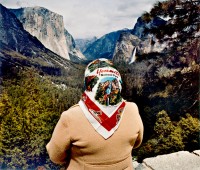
pixel 83 44
pixel 103 47
pixel 19 47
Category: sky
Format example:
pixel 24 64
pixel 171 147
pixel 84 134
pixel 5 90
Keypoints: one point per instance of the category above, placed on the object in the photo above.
pixel 89 18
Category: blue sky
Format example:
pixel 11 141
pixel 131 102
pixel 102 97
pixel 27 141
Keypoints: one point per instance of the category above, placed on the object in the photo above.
pixel 88 18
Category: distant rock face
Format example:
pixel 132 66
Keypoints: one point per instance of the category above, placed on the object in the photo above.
pixel 74 53
pixel 83 44
pixel 149 42
pixel 69 40
pixel 103 47
pixel 48 27
pixel 124 47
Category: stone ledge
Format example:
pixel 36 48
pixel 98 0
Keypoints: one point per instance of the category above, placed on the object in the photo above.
pixel 182 160
pixel 197 152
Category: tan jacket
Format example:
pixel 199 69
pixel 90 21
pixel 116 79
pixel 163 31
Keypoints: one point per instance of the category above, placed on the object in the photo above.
pixel 75 140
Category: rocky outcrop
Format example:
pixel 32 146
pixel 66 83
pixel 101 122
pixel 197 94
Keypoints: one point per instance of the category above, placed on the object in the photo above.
pixel 183 160
pixel 138 38
pixel 141 25
pixel 128 42
pixel 48 27
pixel 125 46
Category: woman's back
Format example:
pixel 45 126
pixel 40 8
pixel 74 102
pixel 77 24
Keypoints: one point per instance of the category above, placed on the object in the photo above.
pixel 89 150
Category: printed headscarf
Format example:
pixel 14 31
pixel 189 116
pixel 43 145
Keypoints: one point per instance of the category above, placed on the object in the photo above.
pixel 101 100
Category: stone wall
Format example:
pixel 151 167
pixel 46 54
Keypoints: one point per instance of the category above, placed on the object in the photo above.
pixel 182 160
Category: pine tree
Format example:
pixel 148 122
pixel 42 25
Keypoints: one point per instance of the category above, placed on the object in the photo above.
pixel 183 20
pixel 190 132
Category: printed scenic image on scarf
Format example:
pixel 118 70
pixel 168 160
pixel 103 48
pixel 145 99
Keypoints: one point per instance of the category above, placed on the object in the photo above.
pixel 101 100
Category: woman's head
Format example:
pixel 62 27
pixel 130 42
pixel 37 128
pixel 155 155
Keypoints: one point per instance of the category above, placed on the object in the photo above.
pixel 101 100
pixel 102 78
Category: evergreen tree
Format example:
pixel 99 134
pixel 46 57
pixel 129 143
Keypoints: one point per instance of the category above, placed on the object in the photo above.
pixel 190 128
pixel 171 136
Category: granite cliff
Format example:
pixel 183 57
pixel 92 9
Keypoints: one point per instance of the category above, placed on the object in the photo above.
pixel 48 27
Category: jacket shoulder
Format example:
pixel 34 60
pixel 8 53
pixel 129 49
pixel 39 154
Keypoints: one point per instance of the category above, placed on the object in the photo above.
pixel 131 105
pixel 76 105
pixel 72 111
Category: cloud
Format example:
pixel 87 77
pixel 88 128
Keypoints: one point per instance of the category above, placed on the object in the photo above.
pixel 91 17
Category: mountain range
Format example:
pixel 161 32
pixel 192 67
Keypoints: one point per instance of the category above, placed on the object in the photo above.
pixel 48 27
pixel 119 45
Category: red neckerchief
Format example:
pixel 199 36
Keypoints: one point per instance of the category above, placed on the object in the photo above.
pixel 107 122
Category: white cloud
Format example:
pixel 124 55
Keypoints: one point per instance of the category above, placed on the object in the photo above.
pixel 87 18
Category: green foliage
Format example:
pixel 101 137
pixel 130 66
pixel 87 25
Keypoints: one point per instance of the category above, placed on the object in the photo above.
pixel 30 106
pixel 190 132
pixel 171 136
pixel 163 125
